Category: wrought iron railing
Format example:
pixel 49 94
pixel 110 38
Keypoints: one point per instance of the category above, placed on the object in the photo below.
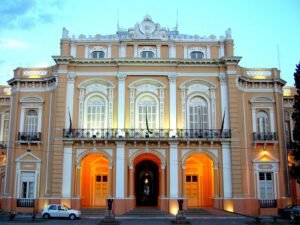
pixel 145 134
pixel 29 136
pixel 25 202
pixel 265 136
pixel 268 203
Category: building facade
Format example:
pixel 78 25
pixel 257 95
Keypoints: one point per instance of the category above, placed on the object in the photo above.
pixel 145 116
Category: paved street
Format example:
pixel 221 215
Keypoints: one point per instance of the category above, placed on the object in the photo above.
pixel 151 221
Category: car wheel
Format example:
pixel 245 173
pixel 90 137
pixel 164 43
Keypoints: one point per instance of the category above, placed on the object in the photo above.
pixel 72 217
pixel 46 216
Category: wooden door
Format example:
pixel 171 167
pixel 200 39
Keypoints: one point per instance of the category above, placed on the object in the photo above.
pixel 101 190
pixel 192 190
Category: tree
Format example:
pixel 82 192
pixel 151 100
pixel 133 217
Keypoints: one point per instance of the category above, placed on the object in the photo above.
pixel 295 169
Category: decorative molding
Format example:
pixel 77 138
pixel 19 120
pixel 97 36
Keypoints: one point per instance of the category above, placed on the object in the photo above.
pixel 96 87
pixel 35 72
pixel 197 88
pixel 146 87
pixel 121 76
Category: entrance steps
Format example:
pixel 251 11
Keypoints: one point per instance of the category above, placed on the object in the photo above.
pixel 93 211
pixel 146 212
pixel 196 212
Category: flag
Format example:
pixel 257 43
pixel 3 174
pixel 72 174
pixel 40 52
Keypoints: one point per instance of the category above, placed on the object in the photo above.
pixel 147 126
pixel 70 126
pixel 223 122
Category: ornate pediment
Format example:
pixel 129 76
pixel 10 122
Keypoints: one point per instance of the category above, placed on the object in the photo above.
pixel 147 29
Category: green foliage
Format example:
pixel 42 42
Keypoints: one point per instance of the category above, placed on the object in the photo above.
pixel 295 170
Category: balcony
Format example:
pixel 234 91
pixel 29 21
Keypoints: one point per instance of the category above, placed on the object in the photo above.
pixel 265 138
pixel 268 203
pixel 143 134
pixel 25 202
pixel 3 145
pixel 34 137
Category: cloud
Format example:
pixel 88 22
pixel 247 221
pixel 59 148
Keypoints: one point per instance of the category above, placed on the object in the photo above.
pixel 26 14
pixel 13 43
pixel 2 61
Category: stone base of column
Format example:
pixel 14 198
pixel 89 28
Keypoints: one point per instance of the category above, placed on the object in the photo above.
pixel 181 218
pixel 109 218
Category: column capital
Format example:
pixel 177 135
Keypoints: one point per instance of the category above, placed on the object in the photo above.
pixel 71 76
pixel 223 78
pixel 172 76
pixel 121 76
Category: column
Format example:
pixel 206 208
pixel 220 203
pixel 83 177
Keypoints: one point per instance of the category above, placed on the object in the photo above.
pixel 121 102
pixel 224 99
pixel 131 181
pixel 221 50
pixel 174 170
pixel 208 52
pixel 109 192
pixel 78 175
pixel 40 116
pixel 135 50
pixel 272 126
pixel 122 50
pixel 227 178
pixel 173 107
pixel 73 49
pixel 254 126
pixel 162 180
pixel 158 51
pixel 2 126
pixel 185 52
pixel 120 167
pixel 109 51
pixel 69 99
pixel 67 172
pixel 183 182
pixel 86 51
pixel 172 51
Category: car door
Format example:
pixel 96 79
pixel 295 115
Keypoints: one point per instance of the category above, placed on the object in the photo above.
pixel 53 211
pixel 62 211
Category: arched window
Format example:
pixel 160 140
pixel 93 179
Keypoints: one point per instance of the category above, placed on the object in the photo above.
pixel 198 113
pixel 98 54
pixel 147 105
pixel 95 113
pixel 197 55
pixel 147 54
pixel 262 122
pixel 31 121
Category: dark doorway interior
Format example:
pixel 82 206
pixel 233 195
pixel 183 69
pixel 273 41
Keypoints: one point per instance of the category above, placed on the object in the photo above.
pixel 146 183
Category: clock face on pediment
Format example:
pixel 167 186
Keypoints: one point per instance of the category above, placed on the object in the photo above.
pixel 147 27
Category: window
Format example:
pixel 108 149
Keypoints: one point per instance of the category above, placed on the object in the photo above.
pixel 197 55
pixel 95 113
pixel 266 188
pixel 262 122
pixel 98 54
pixel 149 105
pixel 147 54
pixel 27 184
pixel 198 113
pixel 31 121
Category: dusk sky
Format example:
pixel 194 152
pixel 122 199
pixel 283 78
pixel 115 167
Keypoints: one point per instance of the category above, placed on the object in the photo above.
pixel 30 30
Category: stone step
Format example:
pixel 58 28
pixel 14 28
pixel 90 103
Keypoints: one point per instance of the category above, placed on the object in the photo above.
pixel 196 212
pixel 146 212
pixel 93 211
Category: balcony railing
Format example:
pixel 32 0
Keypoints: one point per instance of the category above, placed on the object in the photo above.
pixel 25 202
pixel 272 203
pixel 29 136
pixel 156 134
pixel 265 136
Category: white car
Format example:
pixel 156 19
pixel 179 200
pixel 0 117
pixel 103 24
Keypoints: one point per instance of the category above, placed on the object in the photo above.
pixel 58 210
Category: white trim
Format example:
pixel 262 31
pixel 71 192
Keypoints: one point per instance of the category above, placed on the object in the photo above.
pixel 174 192
pixel 121 100
pixel 2 126
pixel 73 49
pixel 227 177
pixel 67 172
pixel 120 170
pixel 173 104
pixel 69 99
pixel 48 143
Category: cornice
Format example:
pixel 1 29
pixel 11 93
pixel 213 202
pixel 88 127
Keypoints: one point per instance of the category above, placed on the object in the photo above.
pixel 141 61
pixel 250 80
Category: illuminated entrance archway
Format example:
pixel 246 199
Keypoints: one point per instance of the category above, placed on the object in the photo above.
pixel 199 180
pixel 94 180
pixel 146 180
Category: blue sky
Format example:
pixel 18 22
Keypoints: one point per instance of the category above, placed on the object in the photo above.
pixel 30 30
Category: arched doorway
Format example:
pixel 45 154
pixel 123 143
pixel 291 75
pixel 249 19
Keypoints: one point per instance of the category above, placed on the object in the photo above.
pixel 146 183
pixel 94 180
pixel 199 180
